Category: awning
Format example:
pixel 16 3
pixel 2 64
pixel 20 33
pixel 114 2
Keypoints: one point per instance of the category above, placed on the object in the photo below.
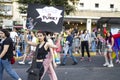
pixel 109 20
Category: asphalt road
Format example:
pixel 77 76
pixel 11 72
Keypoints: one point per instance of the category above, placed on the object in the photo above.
pixel 82 71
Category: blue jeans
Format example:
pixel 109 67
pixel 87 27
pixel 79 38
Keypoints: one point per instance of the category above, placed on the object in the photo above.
pixel 93 46
pixel 5 64
pixel 71 55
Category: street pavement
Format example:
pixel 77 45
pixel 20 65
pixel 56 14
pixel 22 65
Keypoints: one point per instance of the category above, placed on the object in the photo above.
pixel 84 70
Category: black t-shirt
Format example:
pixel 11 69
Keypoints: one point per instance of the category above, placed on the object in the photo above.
pixel 9 53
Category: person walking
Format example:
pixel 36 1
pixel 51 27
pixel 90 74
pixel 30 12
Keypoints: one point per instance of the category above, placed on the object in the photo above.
pixel 93 41
pixel 85 37
pixel 116 49
pixel 32 49
pixel 76 43
pixel 6 54
pixel 44 57
pixel 108 52
pixel 14 37
pixel 98 41
pixel 68 49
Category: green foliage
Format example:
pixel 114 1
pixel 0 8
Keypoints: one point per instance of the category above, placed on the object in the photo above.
pixel 22 9
pixel 68 8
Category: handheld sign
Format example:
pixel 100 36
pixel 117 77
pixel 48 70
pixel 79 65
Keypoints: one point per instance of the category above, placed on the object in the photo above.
pixel 45 18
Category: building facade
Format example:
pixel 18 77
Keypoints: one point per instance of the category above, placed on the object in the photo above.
pixel 85 16
pixel 9 14
pixel 89 11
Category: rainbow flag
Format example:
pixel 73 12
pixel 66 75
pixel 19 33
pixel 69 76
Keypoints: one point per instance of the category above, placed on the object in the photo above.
pixel 116 44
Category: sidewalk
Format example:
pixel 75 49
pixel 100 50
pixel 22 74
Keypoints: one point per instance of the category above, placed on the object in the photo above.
pixel 79 54
pixel 91 53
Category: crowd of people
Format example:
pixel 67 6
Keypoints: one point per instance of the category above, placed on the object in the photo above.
pixel 23 44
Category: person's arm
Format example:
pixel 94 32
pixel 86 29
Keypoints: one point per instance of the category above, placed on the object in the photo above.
pixel 5 49
pixel 94 35
pixel 29 42
pixel 112 40
pixel 53 59
pixel 88 37
pixel 16 36
pixel 50 45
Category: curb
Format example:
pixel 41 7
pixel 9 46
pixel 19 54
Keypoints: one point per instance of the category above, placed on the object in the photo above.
pixel 79 54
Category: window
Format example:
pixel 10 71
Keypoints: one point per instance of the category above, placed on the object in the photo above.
pixel 81 4
pixel 7 9
pixel 96 5
pixel 5 0
pixel 111 5
pixel 1 7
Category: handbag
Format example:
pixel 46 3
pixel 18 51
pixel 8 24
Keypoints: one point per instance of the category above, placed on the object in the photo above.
pixel 12 60
pixel 32 76
pixel 33 71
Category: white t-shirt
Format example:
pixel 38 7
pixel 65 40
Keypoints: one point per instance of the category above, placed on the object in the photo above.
pixel 13 35
pixel 85 37
pixel 34 39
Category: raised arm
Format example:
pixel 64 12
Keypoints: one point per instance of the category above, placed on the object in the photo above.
pixel 29 42
pixel 112 40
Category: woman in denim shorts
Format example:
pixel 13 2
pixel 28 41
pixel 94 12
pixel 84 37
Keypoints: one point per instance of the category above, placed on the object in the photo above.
pixel 108 50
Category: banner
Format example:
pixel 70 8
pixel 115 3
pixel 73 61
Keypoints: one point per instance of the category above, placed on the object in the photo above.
pixel 45 18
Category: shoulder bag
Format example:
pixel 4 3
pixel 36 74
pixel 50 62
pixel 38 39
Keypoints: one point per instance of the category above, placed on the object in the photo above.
pixel 33 71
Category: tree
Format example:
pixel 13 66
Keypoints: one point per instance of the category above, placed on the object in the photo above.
pixel 74 1
pixel 68 8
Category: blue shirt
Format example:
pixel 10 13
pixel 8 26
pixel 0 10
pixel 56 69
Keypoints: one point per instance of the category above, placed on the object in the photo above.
pixel 69 38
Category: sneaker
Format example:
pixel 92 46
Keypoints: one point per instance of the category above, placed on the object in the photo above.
pixel 74 63
pixel 106 64
pixel 117 61
pixel 21 62
pixel 58 62
pixel 30 62
pixel 82 59
pixel 89 59
pixel 110 65
pixel 19 79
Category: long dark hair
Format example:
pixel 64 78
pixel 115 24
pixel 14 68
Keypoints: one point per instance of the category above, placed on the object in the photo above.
pixel 109 38
pixel 84 31
pixel 7 34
